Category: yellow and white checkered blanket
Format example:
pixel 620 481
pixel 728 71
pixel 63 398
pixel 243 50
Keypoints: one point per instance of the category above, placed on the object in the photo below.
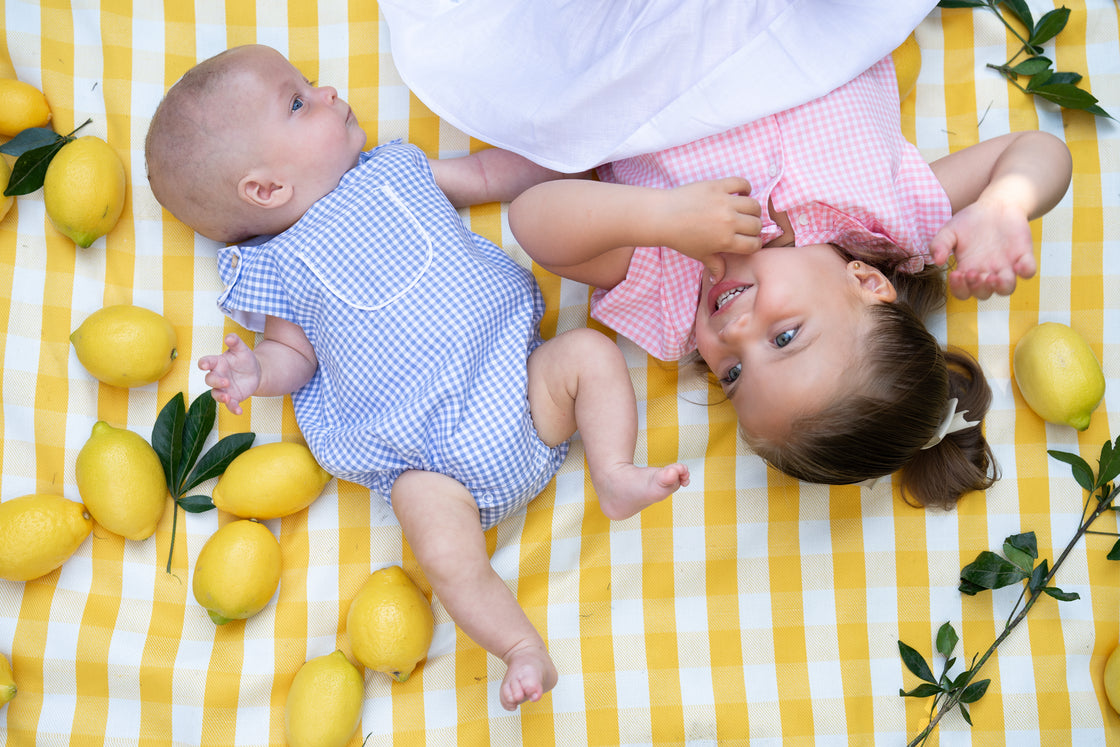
pixel 748 608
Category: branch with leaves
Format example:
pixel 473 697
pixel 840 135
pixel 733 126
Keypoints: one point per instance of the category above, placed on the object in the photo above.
pixel 1042 80
pixel 178 437
pixel 1016 566
pixel 34 149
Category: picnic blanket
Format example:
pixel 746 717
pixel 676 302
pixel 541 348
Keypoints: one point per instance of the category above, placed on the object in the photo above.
pixel 749 608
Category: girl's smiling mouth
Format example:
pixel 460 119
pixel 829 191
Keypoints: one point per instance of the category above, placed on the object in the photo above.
pixel 723 293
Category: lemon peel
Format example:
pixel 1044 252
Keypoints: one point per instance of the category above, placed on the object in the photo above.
pixel 38 533
pixel 237 571
pixel 324 704
pixel 22 106
pixel 121 481
pixel 1112 679
pixel 1058 374
pixel 83 189
pixel 390 623
pixel 125 345
pixel 270 481
pixel 7 682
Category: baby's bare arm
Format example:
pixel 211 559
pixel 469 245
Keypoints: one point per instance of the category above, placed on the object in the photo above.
pixel 490 175
pixel 996 188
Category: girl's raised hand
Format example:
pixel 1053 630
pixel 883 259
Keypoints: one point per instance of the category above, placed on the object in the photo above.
pixel 234 375
pixel 713 217
pixel 993 247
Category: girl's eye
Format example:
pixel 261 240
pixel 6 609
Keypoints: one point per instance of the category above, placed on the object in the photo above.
pixel 297 104
pixel 732 374
pixel 785 338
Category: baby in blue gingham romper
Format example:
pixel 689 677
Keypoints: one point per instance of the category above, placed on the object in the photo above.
pixel 410 345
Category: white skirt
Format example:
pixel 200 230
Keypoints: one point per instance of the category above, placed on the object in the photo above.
pixel 572 84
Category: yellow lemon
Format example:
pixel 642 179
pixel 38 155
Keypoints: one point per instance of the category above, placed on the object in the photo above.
pixel 907 64
pixel 237 571
pixel 22 105
pixel 390 623
pixel 5 176
pixel 121 481
pixel 125 345
pixel 324 704
pixel 7 684
pixel 1112 679
pixel 1058 375
pixel 39 533
pixel 83 189
pixel 270 481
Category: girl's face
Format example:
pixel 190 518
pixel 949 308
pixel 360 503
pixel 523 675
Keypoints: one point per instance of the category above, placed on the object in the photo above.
pixel 782 328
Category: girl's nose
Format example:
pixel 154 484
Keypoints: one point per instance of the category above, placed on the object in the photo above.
pixel 735 330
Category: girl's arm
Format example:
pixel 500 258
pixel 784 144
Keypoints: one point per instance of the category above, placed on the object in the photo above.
pixel 282 363
pixel 491 175
pixel 587 230
pixel 995 188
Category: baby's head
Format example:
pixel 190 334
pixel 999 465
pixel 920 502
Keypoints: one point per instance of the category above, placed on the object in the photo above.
pixel 242 145
pixel 835 378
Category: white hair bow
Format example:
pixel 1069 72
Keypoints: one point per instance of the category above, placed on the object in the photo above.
pixel 952 422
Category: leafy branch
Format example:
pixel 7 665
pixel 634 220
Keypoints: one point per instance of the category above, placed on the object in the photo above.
pixel 1042 80
pixel 34 149
pixel 178 437
pixel 1015 566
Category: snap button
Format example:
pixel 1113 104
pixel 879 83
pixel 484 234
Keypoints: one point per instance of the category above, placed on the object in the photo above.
pixel 773 170
pixel 803 219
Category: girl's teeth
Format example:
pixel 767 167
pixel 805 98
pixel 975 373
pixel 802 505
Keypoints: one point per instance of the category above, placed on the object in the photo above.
pixel 727 296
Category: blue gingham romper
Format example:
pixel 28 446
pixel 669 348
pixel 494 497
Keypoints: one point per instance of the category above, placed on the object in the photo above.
pixel 421 328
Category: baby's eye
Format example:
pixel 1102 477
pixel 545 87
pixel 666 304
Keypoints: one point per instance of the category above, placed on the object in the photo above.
pixel 785 338
pixel 732 374
pixel 297 104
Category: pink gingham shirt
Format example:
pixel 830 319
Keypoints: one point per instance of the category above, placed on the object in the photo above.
pixel 838 166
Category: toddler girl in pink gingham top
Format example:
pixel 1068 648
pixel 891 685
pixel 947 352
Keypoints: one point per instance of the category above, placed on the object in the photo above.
pixel 798 255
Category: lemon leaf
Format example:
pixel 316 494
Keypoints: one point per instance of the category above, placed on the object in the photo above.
pixel 31 168
pixel 1082 472
pixel 167 435
pixel 195 504
pixel 199 422
pixel 1114 553
pixel 32 137
pixel 916 663
pixel 215 461
pixel 990 571
pixel 946 641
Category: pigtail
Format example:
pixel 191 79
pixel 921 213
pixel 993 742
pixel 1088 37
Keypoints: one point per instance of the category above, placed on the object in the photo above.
pixel 962 461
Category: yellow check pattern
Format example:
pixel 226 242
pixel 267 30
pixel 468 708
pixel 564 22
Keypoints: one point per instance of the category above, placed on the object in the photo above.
pixel 749 608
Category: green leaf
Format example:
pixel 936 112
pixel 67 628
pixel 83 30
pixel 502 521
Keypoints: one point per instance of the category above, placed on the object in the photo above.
pixel 969 588
pixel 945 682
pixel 1062 596
pixel 1039 79
pixel 916 663
pixel 1064 94
pixel 946 641
pixel 195 504
pixel 1024 542
pixel 975 691
pixel 1020 10
pixel 29 139
pixel 1109 463
pixel 990 571
pixel 1032 66
pixel 1082 472
pixel 166 435
pixel 1114 553
pixel 1049 25
pixel 1071 78
pixel 923 690
pixel 964 714
pixel 31 168
pixel 215 461
pixel 196 429
pixel 962 4
pixel 1038 576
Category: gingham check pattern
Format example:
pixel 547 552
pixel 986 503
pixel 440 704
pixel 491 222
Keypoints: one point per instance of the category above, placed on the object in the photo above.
pixel 746 608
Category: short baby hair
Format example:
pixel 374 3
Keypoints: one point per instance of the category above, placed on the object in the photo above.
pixel 192 159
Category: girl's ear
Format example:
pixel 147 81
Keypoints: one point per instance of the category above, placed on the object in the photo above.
pixel 260 191
pixel 873 282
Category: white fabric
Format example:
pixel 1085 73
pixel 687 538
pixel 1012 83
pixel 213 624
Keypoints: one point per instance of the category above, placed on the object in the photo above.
pixel 572 84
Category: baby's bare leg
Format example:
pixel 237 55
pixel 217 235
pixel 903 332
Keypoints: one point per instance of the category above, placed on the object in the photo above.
pixel 440 521
pixel 579 379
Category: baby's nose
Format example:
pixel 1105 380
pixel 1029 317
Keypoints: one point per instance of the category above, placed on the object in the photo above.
pixel 329 92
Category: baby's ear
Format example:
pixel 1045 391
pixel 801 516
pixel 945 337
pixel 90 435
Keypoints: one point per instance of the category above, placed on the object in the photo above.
pixel 260 191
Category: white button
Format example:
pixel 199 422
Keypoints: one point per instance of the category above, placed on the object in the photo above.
pixel 773 170
pixel 803 219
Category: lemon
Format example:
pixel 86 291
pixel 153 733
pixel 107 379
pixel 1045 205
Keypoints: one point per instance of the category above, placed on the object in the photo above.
pixel 270 481
pixel 7 684
pixel 38 533
pixel 125 345
pixel 907 64
pixel 5 175
pixel 1112 679
pixel 1058 375
pixel 22 105
pixel 237 571
pixel 390 623
pixel 83 189
pixel 121 481
pixel 324 704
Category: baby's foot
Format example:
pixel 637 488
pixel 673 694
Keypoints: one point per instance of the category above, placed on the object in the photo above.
pixel 530 673
pixel 626 489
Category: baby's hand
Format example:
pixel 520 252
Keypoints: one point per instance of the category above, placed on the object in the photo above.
pixel 993 246
pixel 234 375
pixel 714 217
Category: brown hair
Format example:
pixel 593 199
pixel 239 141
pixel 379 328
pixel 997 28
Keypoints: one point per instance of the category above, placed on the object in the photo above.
pixel 906 380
